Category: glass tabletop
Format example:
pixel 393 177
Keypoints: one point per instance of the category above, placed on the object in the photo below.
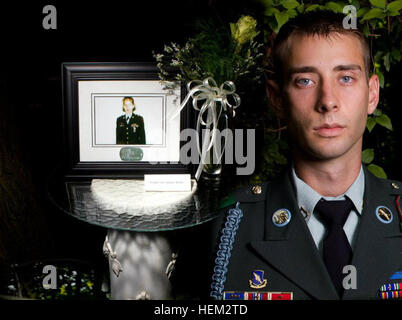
pixel 78 199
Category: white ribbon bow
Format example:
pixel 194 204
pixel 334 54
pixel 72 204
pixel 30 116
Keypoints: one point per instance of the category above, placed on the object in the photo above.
pixel 209 91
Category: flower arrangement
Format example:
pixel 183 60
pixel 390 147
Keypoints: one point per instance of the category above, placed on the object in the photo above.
pixel 212 64
pixel 223 53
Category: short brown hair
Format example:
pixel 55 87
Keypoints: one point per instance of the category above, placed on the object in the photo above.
pixel 321 23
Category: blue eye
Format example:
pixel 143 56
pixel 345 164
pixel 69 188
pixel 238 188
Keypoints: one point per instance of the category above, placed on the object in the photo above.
pixel 304 82
pixel 347 79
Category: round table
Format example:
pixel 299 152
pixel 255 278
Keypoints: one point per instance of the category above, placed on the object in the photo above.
pixel 141 259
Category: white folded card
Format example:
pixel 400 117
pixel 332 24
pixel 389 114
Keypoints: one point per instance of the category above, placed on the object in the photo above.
pixel 167 182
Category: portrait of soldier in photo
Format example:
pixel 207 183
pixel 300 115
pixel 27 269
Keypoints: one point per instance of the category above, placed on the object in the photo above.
pixel 130 126
pixel 326 228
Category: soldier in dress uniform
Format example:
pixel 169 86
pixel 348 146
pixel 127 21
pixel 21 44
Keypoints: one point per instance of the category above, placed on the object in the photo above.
pixel 130 126
pixel 326 228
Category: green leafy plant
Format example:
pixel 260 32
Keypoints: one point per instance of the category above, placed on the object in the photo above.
pixel 222 52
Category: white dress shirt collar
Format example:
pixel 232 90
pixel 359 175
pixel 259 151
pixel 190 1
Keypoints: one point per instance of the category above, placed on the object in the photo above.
pixel 307 197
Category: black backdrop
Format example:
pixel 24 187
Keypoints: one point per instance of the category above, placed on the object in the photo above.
pixel 31 103
pixel 31 109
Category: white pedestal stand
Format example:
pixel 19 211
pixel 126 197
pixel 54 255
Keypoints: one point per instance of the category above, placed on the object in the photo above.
pixel 144 258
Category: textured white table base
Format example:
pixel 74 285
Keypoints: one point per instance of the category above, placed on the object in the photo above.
pixel 144 257
pixel 130 197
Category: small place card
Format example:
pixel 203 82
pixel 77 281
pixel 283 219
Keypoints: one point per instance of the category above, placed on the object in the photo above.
pixel 167 182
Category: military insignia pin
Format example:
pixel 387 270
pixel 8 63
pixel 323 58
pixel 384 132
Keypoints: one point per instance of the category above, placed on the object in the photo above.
pixel 257 281
pixel 384 214
pixel 396 275
pixel 134 126
pixel 281 217
pixel 256 189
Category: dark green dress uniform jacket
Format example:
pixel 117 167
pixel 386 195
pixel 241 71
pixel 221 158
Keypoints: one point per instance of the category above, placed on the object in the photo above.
pixel 132 132
pixel 288 255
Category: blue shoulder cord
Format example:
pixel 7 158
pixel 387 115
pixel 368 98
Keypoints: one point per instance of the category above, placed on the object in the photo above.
pixel 225 251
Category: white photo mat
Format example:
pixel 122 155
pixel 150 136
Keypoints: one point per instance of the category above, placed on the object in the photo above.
pixel 99 105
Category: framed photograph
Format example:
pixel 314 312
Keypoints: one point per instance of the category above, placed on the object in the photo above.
pixel 119 121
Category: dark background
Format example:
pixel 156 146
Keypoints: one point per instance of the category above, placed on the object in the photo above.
pixel 31 109
pixel 31 133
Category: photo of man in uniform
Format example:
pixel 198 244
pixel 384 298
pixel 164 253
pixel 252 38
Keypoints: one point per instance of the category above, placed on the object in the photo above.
pixel 130 126
pixel 327 228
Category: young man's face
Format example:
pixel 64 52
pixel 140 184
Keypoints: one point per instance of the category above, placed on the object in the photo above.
pixel 128 106
pixel 326 95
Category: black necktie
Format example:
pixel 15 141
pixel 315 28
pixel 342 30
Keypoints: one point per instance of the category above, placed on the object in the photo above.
pixel 337 251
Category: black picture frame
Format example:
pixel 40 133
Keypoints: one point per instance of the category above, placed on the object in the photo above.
pixel 73 167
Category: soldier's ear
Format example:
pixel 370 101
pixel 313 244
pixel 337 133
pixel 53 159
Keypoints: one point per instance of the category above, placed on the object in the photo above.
pixel 374 93
pixel 275 98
